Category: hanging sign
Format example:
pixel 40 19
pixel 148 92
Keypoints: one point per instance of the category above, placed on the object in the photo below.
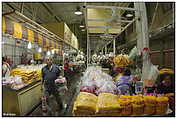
pixel 30 35
pixel 17 30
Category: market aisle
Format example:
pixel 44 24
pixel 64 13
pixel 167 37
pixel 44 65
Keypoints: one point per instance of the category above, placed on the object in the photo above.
pixel 73 90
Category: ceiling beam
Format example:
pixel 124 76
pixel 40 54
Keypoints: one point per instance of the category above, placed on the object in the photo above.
pixel 123 29
pixel 9 5
pixel 107 20
pixel 51 12
pixel 104 27
pixel 110 7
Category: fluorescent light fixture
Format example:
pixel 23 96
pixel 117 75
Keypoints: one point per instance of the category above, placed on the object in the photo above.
pixel 40 50
pixel 83 30
pixel 78 12
pixel 29 45
pixel 48 53
pixel 129 15
pixel 82 26
pixel 53 51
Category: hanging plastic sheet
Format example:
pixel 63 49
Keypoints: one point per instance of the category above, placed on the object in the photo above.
pixel 9 27
pixel 55 45
pixel 30 35
pixel 44 41
pixel 24 33
pixel 35 37
pixel 50 43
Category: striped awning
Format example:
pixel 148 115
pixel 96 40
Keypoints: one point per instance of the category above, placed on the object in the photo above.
pixel 18 30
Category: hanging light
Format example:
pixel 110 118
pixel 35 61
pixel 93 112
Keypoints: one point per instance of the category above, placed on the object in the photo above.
pixel 129 15
pixel 48 53
pixel 40 50
pixel 53 51
pixel 78 12
pixel 29 45
pixel 83 30
pixel 81 26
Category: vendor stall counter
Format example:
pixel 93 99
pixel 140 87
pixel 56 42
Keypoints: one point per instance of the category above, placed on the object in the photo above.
pixel 22 101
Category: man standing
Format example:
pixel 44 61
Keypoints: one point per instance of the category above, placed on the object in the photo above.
pixel 5 67
pixel 49 74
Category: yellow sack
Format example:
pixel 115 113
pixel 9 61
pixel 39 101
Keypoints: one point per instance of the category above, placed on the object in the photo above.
pixel 107 102
pixel 86 101
pixel 138 109
pixel 137 105
pixel 150 100
pixel 169 95
pixel 161 110
pixel 138 100
pixel 162 100
pixel 126 105
pixel 165 70
pixel 162 105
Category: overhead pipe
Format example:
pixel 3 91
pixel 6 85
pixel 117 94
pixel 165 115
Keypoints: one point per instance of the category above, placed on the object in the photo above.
pixel 8 13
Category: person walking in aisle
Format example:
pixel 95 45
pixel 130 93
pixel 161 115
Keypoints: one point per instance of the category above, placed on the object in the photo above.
pixel 50 73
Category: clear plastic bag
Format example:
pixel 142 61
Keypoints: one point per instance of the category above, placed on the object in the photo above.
pixel 133 53
pixel 18 80
pixel 88 86
pixel 150 72
pixel 108 87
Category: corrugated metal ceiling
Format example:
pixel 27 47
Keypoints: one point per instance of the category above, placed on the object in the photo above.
pixel 63 11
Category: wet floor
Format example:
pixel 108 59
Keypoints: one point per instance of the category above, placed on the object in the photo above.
pixel 73 90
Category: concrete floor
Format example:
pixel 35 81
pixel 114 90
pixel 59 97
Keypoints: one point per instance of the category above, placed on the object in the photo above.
pixel 73 90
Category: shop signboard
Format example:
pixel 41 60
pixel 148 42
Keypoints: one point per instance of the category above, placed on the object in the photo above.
pixel 67 34
pixel 74 41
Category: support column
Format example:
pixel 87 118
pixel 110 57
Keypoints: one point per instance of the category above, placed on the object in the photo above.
pixel 105 50
pixel 162 62
pixel 114 47
pixel 141 26
pixel 87 36
pixel 142 30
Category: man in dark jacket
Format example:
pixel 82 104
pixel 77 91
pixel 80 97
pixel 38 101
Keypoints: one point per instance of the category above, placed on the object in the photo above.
pixel 49 74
